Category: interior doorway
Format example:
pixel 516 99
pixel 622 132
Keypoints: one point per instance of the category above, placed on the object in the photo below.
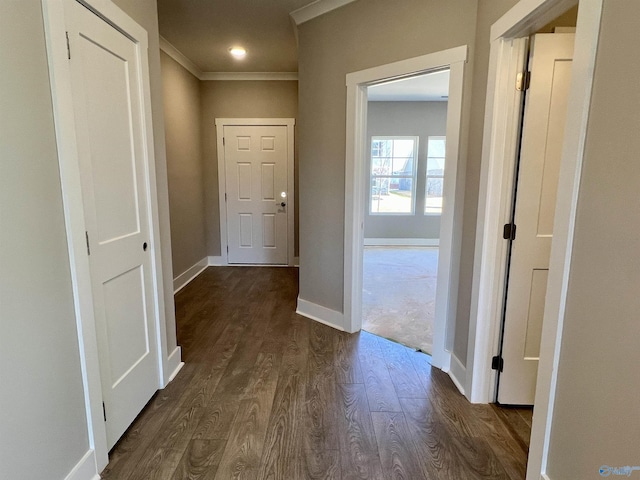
pixel 405 174
pixel 530 228
pixel 357 184
pixel 75 145
pixel 502 125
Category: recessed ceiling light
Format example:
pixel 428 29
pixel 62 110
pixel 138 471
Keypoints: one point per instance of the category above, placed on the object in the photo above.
pixel 238 52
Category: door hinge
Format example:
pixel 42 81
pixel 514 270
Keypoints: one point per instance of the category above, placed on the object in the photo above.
pixel 509 231
pixel 222 141
pixel 86 235
pixel 68 46
pixel 227 249
pixel 225 197
pixel 523 81
pixel 104 411
pixel 497 363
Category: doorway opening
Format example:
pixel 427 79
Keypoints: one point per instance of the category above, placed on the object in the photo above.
pixel 358 188
pixel 529 231
pixel 405 171
pixel 509 38
pixel 535 189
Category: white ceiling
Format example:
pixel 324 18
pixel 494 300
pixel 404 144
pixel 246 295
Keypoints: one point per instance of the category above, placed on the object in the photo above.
pixel 431 87
pixel 203 31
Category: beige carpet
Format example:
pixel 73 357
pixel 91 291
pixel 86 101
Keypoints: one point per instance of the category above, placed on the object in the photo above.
pixel 398 300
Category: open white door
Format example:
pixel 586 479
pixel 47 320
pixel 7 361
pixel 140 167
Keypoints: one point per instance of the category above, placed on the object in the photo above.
pixel 257 200
pixel 537 183
pixel 107 94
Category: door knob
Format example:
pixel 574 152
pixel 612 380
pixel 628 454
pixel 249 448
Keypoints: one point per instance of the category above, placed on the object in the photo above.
pixel 282 204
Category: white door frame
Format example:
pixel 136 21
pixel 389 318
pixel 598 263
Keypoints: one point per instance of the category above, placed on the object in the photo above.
pixel 500 137
pixel 222 185
pixel 355 188
pixel 62 97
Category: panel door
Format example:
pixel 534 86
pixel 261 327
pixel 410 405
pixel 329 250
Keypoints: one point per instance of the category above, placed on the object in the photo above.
pixel 256 159
pixel 541 152
pixel 106 80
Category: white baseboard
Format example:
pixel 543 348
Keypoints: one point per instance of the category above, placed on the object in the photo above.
pixel 85 469
pixel 458 373
pixel 321 314
pixel 216 262
pixel 219 262
pixel 174 365
pixel 401 242
pixel 184 278
pixel 544 476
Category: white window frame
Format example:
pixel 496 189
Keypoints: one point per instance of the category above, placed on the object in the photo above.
pixel 427 176
pixel 412 177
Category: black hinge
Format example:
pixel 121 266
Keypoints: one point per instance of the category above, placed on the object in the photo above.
pixel 86 234
pixel 222 140
pixel 68 47
pixel 497 363
pixel 227 249
pixel 225 197
pixel 509 231
pixel 104 411
pixel 523 81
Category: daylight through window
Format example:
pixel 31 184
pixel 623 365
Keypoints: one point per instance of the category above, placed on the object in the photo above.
pixel 435 175
pixel 393 171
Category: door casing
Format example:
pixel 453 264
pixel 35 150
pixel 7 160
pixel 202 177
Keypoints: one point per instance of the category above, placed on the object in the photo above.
pixel 169 363
pixel 222 187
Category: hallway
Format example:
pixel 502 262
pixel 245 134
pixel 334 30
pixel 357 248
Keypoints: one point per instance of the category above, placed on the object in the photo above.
pixel 266 393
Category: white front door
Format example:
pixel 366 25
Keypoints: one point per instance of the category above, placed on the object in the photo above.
pixel 107 84
pixel 537 184
pixel 256 164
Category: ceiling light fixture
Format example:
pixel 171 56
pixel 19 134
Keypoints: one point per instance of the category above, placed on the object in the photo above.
pixel 238 52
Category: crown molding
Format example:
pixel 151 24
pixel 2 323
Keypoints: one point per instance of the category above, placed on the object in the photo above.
pixel 179 57
pixel 182 59
pixel 293 76
pixel 315 9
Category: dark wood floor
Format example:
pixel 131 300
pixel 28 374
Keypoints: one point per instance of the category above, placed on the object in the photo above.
pixel 518 421
pixel 268 394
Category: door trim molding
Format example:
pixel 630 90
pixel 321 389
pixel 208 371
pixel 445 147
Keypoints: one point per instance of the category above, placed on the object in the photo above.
pixel 62 98
pixel 499 136
pixel 355 186
pixel 222 187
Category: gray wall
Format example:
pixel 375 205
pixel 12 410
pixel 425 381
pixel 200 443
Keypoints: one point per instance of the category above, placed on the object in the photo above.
pixel 596 420
pixel 239 99
pixel 488 13
pixel 145 12
pixel 360 35
pixel 43 431
pixel 182 118
pixel 421 119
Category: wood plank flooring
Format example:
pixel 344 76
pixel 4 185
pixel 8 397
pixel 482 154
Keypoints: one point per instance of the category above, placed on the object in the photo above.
pixel 268 394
